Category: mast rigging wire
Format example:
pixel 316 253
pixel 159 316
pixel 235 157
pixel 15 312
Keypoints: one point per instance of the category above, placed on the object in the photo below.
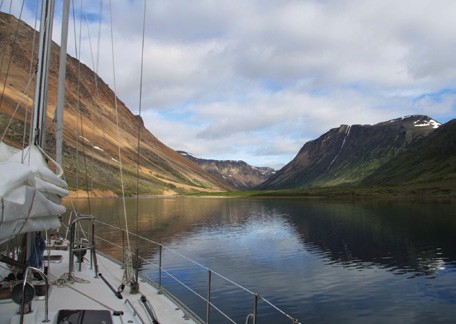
pixel 31 76
pixel 12 51
pixel 139 125
pixel 15 111
pixel 117 126
pixel 95 63
pixel 83 146
pixel 99 42
pixel 31 73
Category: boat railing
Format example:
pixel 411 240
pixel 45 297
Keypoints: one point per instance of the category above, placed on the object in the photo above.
pixel 80 246
pixel 160 249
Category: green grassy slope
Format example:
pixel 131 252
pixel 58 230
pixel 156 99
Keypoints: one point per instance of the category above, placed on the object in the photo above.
pixel 432 160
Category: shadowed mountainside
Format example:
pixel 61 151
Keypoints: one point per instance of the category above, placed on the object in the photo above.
pixel 367 155
pixel 432 159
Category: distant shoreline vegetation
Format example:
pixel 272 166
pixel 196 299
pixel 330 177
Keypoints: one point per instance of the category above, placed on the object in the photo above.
pixel 431 191
pixel 409 192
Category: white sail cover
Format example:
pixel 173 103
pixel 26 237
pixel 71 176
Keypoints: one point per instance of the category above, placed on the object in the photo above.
pixel 30 193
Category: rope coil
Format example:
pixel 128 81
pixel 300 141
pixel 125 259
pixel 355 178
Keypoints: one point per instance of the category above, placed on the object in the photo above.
pixel 68 278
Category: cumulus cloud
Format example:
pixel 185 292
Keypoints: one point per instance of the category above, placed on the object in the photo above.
pixel 255 80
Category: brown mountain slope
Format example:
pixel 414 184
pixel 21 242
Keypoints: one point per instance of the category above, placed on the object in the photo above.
pixel 238 174
pixel 91 152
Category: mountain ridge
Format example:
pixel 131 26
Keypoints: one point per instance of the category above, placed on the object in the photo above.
pixel 346 155
pixel 432 158
pixel 236 173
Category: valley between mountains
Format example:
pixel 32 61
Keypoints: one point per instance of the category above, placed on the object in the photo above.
pixel 408 156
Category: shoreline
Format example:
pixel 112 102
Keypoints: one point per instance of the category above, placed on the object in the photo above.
pixel 340 196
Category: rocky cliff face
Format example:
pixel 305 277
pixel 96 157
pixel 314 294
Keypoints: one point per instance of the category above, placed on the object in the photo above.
pixel 348 154
pixel 237 174
pixel 91 141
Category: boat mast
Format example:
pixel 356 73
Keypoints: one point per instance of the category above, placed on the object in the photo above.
pixel 61 87
pixel 39 118
pixel 40 104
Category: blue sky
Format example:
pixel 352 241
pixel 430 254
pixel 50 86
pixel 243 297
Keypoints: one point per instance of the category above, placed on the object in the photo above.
pixel 255 80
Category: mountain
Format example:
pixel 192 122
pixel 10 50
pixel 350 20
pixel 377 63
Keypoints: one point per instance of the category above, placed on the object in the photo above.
pixel 432 160
pixel 237 174
pixel 91 141
pixel 349 155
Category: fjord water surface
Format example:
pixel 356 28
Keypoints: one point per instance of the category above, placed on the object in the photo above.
pixel 318 261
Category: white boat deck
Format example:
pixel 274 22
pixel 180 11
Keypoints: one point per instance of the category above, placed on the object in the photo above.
pixel 93 294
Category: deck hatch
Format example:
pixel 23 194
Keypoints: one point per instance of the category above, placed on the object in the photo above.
pixel 84 316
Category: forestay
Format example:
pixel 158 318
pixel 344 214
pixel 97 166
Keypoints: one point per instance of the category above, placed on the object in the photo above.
pixel 30 193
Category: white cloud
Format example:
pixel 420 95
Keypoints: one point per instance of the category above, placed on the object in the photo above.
pixel 257 79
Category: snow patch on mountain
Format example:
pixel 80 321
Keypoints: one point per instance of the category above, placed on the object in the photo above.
pixel 426 123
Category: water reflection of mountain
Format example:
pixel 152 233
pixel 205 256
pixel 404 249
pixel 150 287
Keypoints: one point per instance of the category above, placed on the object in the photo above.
pixel 403 237
pixel 160 220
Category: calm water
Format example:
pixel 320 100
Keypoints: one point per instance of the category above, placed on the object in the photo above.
pixel 319 261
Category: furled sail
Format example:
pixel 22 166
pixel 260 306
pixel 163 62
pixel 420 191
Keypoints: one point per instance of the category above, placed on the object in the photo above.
pixel 30 193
